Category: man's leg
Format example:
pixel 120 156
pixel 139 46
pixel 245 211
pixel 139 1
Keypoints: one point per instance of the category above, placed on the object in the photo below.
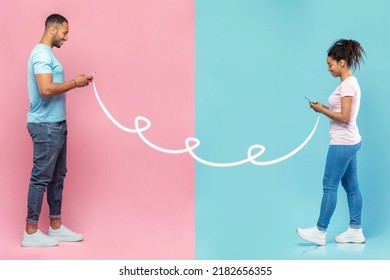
pixel 46 152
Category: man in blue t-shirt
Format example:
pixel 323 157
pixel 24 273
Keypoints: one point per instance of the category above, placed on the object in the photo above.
pixel 46 123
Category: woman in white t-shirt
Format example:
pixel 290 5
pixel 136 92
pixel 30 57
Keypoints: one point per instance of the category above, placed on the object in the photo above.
pixel 341 162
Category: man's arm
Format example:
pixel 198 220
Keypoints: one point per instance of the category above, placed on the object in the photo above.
pixel 48 88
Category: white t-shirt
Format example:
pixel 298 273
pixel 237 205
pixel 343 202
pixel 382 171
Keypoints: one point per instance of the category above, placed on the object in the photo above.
pixel 339 133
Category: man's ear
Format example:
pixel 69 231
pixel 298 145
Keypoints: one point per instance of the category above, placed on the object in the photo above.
pixel 52 30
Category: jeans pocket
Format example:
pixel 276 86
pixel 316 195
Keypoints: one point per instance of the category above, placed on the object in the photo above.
pixel 37 132
pixel 59 129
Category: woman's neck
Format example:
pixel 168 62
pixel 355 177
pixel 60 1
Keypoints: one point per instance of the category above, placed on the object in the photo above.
pixel 345 75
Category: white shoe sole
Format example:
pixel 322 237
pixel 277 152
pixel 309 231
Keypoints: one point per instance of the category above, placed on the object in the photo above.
pixel 308 239
pixel 68 238
pixel 347 240
pixel 34 244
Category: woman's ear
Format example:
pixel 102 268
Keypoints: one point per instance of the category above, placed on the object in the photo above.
pixel 342 63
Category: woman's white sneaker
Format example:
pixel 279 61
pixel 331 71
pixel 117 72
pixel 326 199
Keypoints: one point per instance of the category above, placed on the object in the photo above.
pixel 313 235
pixel 351 235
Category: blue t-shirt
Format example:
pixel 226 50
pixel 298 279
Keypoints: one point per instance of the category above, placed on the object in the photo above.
pixel 44 109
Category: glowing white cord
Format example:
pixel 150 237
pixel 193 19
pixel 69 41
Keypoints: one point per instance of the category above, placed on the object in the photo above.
pixel 191 143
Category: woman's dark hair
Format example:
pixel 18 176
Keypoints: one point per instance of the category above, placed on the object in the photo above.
pixel 349 50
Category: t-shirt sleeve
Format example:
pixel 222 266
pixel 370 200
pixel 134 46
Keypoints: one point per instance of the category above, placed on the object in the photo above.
pixel 348 88
pixel 42 63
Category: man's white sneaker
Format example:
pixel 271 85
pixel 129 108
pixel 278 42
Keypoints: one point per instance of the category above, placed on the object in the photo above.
pixel 38 239
pixel 65 234
pixel 313 235
pixel 351 235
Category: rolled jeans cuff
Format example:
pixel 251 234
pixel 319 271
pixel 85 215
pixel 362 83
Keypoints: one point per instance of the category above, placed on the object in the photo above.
pixel 31 222
pixel 55 216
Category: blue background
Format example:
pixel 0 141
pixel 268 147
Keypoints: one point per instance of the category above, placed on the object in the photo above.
pixel 255 62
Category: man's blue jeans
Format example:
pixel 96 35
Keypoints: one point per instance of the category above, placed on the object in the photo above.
pixel 341 165
pixel 48 173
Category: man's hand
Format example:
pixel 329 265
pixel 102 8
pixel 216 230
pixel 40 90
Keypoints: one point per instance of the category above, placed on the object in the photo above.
pixel 82 80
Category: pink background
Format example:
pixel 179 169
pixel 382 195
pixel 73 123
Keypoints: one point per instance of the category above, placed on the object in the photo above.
pixel 130 201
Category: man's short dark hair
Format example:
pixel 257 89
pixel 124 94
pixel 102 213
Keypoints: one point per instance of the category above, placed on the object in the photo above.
pixel 55 19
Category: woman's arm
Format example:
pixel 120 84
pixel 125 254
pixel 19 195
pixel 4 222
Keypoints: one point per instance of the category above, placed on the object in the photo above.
pixel 346 110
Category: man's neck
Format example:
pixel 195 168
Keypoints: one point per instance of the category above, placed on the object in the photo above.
pixel 46 41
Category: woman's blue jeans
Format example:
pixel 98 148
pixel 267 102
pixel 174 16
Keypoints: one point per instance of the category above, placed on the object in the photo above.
pixel 49 170
pixel 341 165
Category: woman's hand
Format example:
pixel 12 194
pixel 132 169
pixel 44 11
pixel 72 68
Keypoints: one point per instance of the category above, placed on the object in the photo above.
pixel 346 110
pixel 318 107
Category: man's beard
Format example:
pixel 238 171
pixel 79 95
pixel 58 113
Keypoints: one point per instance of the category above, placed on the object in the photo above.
pixel 57 42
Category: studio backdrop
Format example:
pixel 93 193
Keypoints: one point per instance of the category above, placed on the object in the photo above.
pixel 201 145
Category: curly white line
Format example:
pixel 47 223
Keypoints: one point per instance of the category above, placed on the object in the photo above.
pixel 191 143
